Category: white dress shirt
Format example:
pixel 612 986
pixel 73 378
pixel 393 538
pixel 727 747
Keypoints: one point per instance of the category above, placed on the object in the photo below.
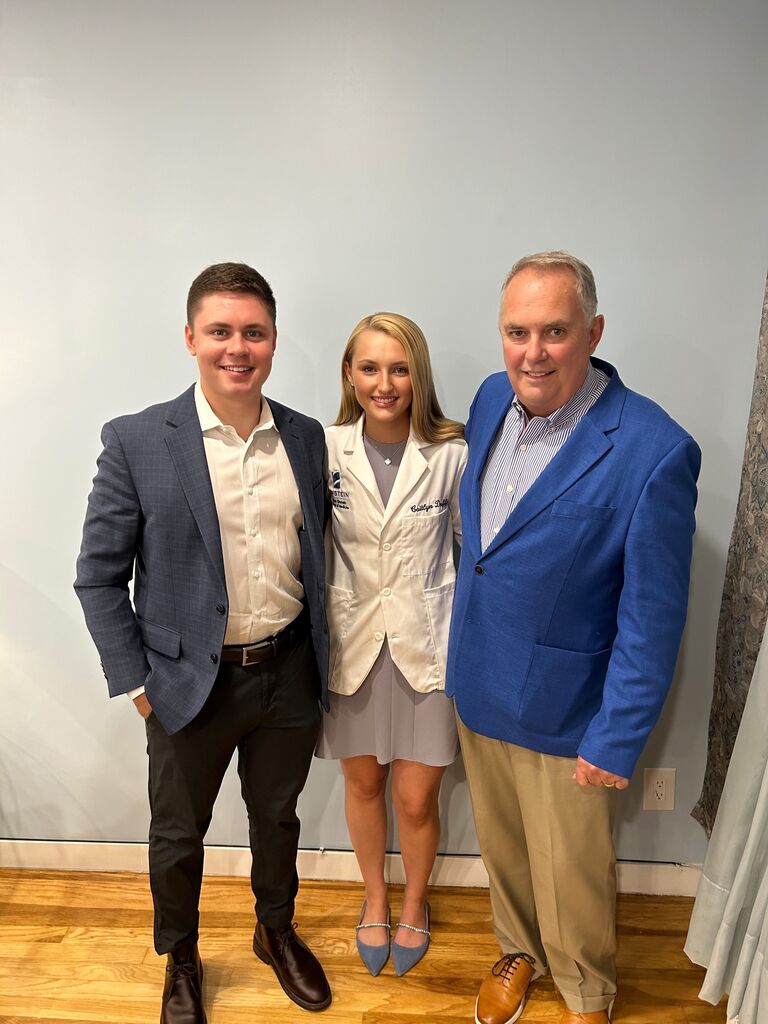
pixel 257 502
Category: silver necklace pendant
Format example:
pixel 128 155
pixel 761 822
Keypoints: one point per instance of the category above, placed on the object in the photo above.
pixel 395 450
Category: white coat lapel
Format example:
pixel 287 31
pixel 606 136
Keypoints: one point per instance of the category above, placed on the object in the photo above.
pixel 413 468
pixel 358 465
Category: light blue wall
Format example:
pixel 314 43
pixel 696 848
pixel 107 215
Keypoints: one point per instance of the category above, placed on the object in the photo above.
pixel 364 156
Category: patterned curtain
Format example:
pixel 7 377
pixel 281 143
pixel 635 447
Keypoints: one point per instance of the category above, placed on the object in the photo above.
pixel 744 608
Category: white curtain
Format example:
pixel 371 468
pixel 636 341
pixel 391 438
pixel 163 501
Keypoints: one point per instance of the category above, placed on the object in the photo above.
pixel 728 933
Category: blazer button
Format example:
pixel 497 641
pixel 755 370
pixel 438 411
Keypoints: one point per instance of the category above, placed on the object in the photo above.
pixel 479 570
pixel 220 609
pixel 214 658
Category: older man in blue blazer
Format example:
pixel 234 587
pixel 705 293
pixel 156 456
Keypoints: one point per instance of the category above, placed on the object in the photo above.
pixel 214 504
pixel 578 512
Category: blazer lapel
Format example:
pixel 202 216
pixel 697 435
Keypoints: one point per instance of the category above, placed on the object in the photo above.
pixel 184 439
pixel 297 456
pixel 586 446
pixel 582 450
pixel 496 418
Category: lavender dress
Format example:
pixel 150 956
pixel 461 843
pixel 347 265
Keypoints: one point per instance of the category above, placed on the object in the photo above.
pixel 385 717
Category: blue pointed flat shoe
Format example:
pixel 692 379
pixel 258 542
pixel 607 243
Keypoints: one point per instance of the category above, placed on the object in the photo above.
pixel 406 957
pixel 374 957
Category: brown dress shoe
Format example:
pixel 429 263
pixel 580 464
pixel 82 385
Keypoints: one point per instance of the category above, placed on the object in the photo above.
pixel 502 995
pixel 571 1017
pixel 183 989
pixel 297 968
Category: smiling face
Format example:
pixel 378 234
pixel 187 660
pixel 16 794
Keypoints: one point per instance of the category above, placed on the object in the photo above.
pixel 380 376
pixel 546 338
pixel 233 338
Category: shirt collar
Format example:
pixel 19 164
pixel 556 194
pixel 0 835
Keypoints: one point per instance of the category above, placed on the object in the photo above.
pixel 209 421
pixel 569 408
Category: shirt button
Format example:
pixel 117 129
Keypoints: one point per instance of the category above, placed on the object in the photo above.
pixel 479 570
pixel 386 592
pixel 387 547
pixel 254 531
pixel 250 490
pixel 378 636
pixel 510 488
pixel 214 658
pixel 220 608
pixel 395 636
pixel 255 573
pixel 523 447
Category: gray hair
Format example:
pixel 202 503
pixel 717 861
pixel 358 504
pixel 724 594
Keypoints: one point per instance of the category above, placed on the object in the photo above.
pixel 585 280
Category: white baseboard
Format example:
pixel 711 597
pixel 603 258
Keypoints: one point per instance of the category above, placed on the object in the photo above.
pixel 651 879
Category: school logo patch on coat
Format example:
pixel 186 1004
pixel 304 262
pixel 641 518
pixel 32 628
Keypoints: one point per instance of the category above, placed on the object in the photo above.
pixel 339 498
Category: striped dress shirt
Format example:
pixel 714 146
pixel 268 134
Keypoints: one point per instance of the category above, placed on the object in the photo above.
pixel 523 449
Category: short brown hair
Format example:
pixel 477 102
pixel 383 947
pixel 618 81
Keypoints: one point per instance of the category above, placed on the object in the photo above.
pixel 229 277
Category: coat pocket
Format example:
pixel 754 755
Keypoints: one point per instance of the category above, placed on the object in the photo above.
pixel 338 610
pixel 439 602
pixel 563 690
pixel 424 544
pixel 579 510
pixel 160 638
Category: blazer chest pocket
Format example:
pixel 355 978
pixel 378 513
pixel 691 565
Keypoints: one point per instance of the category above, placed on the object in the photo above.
pixel 579 510
pixel 160 638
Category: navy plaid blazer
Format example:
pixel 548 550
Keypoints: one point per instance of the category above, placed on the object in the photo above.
pixel 152 518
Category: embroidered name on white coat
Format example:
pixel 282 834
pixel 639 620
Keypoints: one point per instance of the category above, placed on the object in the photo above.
pixel 426 507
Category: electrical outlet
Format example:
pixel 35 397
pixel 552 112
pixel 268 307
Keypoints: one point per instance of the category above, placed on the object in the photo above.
pixel 659 789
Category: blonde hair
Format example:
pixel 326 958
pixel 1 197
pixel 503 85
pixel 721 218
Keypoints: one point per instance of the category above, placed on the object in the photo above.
pixel 427 419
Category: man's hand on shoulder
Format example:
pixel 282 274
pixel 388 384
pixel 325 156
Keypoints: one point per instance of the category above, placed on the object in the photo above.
pixel 587 774
pixel 142 705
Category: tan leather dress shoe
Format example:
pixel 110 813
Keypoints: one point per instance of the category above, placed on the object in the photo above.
pixel 571 1017
pixel 502 995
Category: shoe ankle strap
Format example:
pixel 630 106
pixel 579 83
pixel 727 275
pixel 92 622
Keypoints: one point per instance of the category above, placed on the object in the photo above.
pixel 413 928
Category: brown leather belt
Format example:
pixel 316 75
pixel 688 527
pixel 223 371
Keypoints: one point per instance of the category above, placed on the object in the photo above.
pixel 264 650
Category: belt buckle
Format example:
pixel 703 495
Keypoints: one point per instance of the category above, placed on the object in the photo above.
pixel 262 645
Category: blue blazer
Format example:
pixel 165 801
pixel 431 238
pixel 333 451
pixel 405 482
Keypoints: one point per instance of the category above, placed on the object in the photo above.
pixel 151 516
pixel 565 631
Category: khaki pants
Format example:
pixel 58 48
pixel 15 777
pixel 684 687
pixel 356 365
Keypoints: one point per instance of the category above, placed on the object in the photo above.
pixel 547 845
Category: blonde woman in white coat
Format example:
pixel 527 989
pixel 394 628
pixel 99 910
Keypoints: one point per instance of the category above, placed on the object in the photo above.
pixel 394 466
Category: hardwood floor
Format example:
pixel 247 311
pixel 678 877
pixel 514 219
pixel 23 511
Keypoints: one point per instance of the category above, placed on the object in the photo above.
pixel 77 948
